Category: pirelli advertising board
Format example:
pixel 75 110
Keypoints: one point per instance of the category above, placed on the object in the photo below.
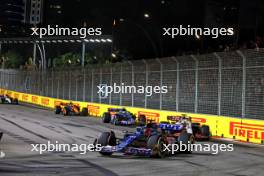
pixel 247 130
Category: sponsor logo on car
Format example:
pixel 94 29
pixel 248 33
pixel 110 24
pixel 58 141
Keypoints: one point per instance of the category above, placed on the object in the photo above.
pixel 247 130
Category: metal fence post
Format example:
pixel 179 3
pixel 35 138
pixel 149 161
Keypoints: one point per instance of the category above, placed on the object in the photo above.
pixel 69 73
pixel 84 84
pixel 63 89
pixel 177 83
pixel 92 84
pixel 52 83
pixel 243 83
pixel 121 81
pixel 196 83
pixel 111 83
pixel 219 82
pixel 83 53
pixel 101 80
pixel 146 97
pixel 161 81
pixel 132 82
pixel 76 88
pixel 58 88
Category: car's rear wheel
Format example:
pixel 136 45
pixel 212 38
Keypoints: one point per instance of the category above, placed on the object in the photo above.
pixel 66 111
pixel 84 112
pixel 106 138
pixel 186 139
pixel 205 131
pixel 106 117
pixel 15 101
pixel 156 144
pixel 142 120
pixel 57 110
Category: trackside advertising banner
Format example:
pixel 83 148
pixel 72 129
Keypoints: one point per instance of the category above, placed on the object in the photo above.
pixel 248 130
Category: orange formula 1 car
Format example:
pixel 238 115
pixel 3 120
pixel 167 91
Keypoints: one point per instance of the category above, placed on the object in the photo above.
pixel 70 109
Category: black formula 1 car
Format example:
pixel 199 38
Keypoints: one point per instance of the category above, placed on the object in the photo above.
pixel 120 116
pixel 6 99
pixel 70 109
pixel 152 140
pixel 200 132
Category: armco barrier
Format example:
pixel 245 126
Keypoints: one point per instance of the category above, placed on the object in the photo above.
pixel 242 129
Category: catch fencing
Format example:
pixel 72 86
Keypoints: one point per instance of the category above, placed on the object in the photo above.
pixel 224 83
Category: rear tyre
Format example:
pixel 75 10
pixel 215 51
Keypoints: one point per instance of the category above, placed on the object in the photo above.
pixel 66 111
pixel 142 120
pixel 205 131
pixel 106 117
pixel 156 144
pixel 57 110
pixel 84 112
pixel 107 138
pixel 15 101
pixel 186 139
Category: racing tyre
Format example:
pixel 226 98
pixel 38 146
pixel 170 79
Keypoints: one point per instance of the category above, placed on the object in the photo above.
pixel 116 121
pixel 142 120
pixel 15 101
pixel 84 112
pixel 107 138
pixel 156 144
pixel 205 131
pixel 106 117
pixel 66 111
pixel 57 110
pixel 186 139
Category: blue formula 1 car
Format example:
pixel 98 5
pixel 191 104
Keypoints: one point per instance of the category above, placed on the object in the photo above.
pixel 119 116
pixel 149 140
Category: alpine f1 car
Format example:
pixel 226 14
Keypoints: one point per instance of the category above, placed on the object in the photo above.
pixel 200 132
pixel 119 116
pixel 70 109
pixel 149 140
pixel 6 99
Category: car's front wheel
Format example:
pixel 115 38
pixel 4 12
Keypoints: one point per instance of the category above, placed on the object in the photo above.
pixel 106 138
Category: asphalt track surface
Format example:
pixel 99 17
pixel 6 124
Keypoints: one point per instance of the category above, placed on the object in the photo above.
pixel 24 125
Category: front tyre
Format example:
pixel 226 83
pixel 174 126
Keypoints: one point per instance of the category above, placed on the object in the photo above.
pixel 106 138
